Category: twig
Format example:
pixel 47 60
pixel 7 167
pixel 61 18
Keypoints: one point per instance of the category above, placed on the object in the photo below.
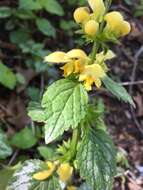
pixel 133 76
pixel 132 83
pixel 6 45
pixel 13 157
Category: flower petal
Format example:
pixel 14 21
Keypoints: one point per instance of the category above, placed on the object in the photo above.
pixel 101 57
pixel 81 14
pixel 91 27
pixel 88 83
pixel 125 28
pixel 76 53
pixel 56 57
pixel 68 69
pixel 97 82
pixel 42 175
pixel 65 172
pixel 94 70
pixel 114 19
pixel 98 7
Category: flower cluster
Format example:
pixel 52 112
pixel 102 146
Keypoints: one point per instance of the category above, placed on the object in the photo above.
pixel 64 171
pixel 91 69
pixel 90 22
pixel 76 61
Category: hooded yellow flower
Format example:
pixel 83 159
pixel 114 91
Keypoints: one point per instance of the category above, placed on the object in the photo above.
pixel 116 23
pixel 65 172
pixel 91 28
pixel 74 59
pixel 81 15
pixel 45 173
pixel 125 28
pixel 92 74
pixel 98 8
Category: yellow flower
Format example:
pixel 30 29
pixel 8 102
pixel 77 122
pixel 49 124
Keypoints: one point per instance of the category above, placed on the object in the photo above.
pixel 91 27
pixel 101 57
pixel 113 19
pixel 45 173
pixel 116 23
pixel 62 57
pixel 68 68
pixel 65 172
pixel 71 188
pixel 81 14
pixel 98 8
pixel 74 59
pixel 92 74
pixel 76 54
pixel 125 28
pixel 56 57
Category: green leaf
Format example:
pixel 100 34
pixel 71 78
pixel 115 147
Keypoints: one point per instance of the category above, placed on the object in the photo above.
pixel 45 27
pixel 19 36
pixel 47 153
pixel 5 149
pixel 30 5
pixel 36 112
pixel 24 139
pixel 5 12
pixel 33 93
pixel 23 178
pixel 20 78
pixel 65 104
pixel 5 175
pixel 97 159
pixel 7 77
pixel 24 14
pixel 117 90
pixel 52 6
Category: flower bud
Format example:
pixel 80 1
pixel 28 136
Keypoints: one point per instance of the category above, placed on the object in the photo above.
pixel 91 27
pixel 125 28
pixel 81 14
pixel 113 19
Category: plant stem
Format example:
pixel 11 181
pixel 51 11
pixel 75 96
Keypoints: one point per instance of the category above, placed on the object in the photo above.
pixel 95 48
pixel 74 142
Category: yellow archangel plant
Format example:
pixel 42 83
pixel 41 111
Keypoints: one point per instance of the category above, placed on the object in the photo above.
pixel 88 157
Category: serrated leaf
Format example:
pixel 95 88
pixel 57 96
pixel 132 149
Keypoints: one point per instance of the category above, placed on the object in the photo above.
pixel 22 178
pixel 5 12
pixel 45 27
pixel 36 112
pixel 7 77
pixel 28 139
pixel 52 6
pixel 117 90
pixel 96 159
pixel 5 149
pixel 65 105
